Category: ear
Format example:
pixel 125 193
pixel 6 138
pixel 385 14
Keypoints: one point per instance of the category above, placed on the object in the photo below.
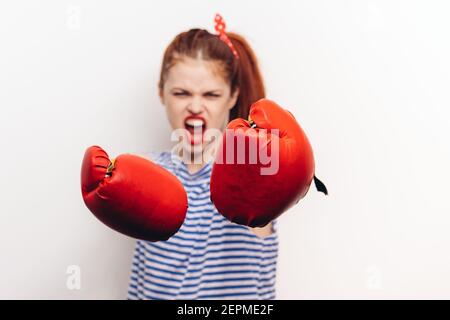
pixel 234 98
pixel 161 94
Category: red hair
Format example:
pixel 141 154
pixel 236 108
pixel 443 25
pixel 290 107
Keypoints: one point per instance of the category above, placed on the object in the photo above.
pixel 243 73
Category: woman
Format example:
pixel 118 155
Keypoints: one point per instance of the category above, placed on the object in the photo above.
pixel 205 82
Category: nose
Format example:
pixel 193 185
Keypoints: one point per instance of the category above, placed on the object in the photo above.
pixel 196 106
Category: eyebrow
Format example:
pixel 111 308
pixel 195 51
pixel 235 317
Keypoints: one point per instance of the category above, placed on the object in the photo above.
pixel 214 90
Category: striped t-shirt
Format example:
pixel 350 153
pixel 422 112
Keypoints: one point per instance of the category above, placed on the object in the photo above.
pixel 209 257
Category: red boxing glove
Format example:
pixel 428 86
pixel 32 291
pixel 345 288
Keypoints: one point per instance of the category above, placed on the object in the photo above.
pixel 264 166
pixel 133 195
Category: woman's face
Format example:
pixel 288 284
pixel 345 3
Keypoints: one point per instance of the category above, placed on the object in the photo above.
pixel 197 98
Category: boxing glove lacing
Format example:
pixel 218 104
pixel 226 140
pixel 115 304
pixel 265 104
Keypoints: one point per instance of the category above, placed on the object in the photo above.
pixel 110 168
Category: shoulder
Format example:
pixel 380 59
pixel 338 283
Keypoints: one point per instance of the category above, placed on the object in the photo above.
pixel 166 159
pixel 158 157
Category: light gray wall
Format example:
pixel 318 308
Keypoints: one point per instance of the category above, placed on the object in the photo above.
pixel 368 81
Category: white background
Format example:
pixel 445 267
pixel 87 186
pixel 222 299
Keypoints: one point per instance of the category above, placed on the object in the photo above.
pixel 368 81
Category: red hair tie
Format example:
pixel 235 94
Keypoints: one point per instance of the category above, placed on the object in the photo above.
pixel 220 29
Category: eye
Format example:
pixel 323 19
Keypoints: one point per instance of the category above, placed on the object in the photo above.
pixel 181 93
pixel 212 95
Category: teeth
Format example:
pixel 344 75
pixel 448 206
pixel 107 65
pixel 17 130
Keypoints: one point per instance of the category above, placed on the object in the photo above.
pixel 195 122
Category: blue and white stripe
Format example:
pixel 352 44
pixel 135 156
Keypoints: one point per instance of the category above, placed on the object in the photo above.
pixel 209 257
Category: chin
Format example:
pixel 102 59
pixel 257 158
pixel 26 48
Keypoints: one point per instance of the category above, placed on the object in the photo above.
pixel 191 152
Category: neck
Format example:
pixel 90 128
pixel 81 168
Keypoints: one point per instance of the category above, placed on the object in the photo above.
pixel 194 167
pixel 194 162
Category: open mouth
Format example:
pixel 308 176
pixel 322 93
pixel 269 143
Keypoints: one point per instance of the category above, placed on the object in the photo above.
pixel 196 127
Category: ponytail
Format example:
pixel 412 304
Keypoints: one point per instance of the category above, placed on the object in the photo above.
pixel 249 78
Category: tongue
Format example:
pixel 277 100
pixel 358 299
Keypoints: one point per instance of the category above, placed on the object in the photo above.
pixel 196 134
pixel 197 130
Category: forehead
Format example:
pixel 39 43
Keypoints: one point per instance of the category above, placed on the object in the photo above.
pixel 196 75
